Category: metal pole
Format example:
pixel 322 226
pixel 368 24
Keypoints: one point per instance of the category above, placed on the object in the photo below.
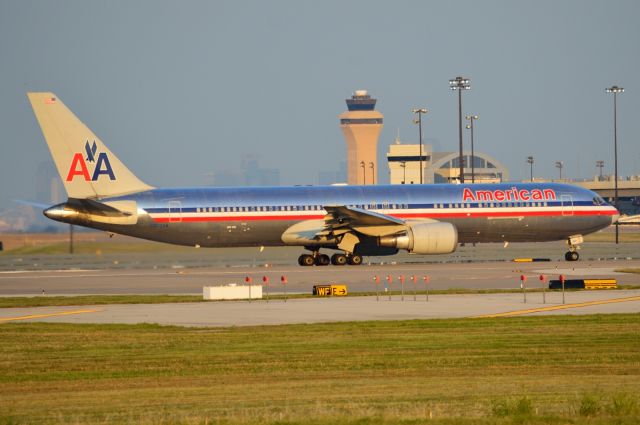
pixel 404 171
pixel 420 130
pixel 473 174
pixel 71 239
pixel 373 172
pixel 418 121
pixel 615 156
pixel 471 119
pixel 615 90
pixel 460 133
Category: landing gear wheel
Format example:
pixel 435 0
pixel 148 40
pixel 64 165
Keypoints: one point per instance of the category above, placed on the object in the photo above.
pixel 571 256
pixel 355 260
pixel 322 260
pixel 306 260
pixel 338 259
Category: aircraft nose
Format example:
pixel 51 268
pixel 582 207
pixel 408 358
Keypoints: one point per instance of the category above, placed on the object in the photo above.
pixel 615 216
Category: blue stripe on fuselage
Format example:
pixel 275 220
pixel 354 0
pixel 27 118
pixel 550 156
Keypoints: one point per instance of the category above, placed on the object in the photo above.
pixel 408 196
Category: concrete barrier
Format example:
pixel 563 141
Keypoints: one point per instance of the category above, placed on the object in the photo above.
pixel 232 292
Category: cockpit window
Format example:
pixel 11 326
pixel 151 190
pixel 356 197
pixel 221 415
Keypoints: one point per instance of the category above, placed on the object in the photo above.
pixel 598 201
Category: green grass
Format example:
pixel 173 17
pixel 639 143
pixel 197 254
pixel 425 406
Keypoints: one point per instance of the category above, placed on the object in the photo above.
pixel 526 370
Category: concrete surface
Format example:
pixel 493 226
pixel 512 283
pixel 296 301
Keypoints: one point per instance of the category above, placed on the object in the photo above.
pixel 244 313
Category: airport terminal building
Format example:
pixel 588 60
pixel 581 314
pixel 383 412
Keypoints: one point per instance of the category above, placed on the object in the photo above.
pixel 405 162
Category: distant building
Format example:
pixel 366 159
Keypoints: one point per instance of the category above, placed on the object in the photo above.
pixel 249 174
pixel 361 126
pixel 254 175
pixel 440 167
pixel 328 177
pixel 404 163
pixel 49 187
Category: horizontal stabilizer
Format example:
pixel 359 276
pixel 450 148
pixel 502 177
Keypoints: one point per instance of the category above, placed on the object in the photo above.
pixel 79 211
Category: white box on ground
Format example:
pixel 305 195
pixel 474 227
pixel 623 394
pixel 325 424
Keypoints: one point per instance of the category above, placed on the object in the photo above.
pixel 232 292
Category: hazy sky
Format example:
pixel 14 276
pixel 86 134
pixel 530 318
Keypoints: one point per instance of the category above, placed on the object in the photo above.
pixel 178 89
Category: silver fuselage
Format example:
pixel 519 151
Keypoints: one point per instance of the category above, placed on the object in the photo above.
pixel 235 217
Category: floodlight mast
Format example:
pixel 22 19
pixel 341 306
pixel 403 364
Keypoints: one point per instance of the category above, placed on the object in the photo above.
pixel 615 90
pixel 471 119
pixel 418 121
pixel 460 83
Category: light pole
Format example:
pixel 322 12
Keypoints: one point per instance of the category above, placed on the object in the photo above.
pixel 471 119
pixel 615 90
pixel 403 164
pixel 530 161
pixel 373 172
pixel 600 165
pixel 364 175
pixel 460 83
pixel 559 165
pixel 418 121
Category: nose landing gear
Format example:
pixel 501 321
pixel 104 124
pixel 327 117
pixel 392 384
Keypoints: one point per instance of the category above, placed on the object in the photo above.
pixel 573 242
pixel 571 256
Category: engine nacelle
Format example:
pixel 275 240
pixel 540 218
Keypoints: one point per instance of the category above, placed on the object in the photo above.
pixel 425 238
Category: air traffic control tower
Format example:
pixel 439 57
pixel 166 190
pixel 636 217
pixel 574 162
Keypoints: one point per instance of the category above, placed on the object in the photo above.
pixel 361 126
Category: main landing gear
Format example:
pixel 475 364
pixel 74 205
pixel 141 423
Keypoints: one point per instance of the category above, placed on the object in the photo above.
pixel 573 242
pixel 318 259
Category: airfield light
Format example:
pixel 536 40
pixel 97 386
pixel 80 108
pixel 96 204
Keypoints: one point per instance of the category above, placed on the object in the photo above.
pixel 615 90
pixel 373 172
pixel 559 165
pixel 471 119
pixel 418 121
pixel 403 164
pixel 600 165
pixel 530 162
pixel 460 83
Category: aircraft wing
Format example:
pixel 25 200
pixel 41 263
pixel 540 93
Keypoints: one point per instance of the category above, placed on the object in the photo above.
pixel 346 228
pixel 342 219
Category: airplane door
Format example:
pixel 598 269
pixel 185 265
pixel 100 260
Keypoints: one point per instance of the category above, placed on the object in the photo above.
pixel 566 201
pixel 175 211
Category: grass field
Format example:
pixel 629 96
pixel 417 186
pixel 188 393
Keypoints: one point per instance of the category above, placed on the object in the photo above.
pixel 527 370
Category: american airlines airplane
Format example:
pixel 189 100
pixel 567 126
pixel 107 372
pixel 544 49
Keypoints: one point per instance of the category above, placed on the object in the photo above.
pixel 355 221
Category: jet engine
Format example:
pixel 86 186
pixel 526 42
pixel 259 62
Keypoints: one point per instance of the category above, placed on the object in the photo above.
pixel 424 238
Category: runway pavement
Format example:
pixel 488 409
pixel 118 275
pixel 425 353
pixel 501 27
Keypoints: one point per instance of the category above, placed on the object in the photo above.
pixel 483 267
pixel 275 312
pixel 481 275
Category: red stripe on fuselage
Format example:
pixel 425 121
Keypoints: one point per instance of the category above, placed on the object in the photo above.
pixel 489 214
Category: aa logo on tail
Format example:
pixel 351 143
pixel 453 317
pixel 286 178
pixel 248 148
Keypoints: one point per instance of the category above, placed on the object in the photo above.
pixel 101 164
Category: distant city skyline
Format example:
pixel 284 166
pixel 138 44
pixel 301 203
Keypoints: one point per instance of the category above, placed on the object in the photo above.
pixel 188 91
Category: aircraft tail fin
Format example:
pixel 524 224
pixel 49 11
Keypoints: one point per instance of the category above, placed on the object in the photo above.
pixel 87 168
